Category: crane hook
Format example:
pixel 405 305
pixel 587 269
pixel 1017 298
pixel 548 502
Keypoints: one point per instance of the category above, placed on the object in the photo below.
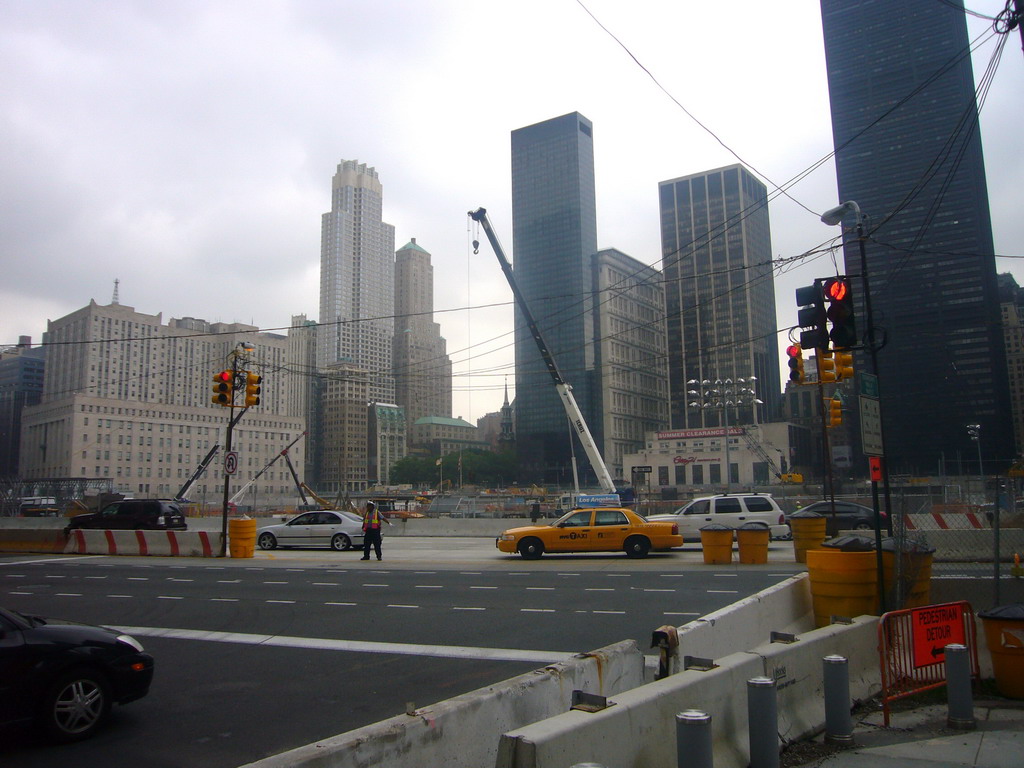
pixel 476 247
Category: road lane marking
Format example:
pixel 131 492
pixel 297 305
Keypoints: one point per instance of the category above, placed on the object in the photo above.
pixel 283 602
pixel 537 610
pixel 330 644
pixel 224 599
pixel 614 612
pixel 169 597
pixel 470 573
pixel 472 587
pixel 69 594
pixel 599 589
pixel 723 591
pixel 138 578
pixel 652 589
pixel 325 583
pixel 375 585
pixel 54 576
pixel 466 608
pixel 275 582
pixel 399 605
pixel 545 589
pixel 171 578
pixel 229 581
pixel 729 575
pixel 94 577
pixel 680 613
pixel 340 603
pixel 21 593
pixel 428 586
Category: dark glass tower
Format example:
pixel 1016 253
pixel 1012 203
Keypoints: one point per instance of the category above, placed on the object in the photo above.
pixel 908 151
pixel 554 226
pixel 719 292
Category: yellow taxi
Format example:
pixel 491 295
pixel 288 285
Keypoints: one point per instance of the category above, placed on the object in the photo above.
pixel 595 529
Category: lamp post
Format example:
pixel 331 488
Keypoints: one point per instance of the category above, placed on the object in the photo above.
pixel 716 394
pixel 974 430
pixel 832 217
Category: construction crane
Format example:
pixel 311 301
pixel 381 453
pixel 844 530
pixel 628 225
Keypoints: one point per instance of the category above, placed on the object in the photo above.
pixel 563 388
pixel 268 465
pixel 180 495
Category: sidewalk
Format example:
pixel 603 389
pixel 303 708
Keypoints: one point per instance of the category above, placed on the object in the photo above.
pixel 920 737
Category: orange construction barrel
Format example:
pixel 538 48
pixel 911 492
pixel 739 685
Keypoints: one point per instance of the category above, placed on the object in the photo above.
pixel 1004 636
pixel 716 541
pixel 808 533
pixel 844 578
pixel 752 539
pixel 242 536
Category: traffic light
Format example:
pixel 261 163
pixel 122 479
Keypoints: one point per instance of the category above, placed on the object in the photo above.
pixel 796 363
pixel 252 388
pixel 223 388
pixel 844 364
pixel 812 316
pixel 839 296
pixel 835 412
pixel 826 367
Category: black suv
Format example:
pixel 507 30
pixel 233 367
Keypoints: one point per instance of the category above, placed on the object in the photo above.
pixel 130 514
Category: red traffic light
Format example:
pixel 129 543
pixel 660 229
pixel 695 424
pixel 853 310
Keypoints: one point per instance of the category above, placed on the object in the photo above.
pixel 836 289
pixel 793 350
pixel 224 376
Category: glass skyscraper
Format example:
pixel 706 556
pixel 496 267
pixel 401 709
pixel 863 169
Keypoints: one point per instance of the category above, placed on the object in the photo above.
pixel 719 293
pixel 554 225
pixel 908 151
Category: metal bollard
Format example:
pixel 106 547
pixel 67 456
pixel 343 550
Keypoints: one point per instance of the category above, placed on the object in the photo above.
pixel 958 688
pixel 693 739
pixel 763 722
pixel 838 720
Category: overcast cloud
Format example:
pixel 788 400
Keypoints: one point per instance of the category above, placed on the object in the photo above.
pixel 186 147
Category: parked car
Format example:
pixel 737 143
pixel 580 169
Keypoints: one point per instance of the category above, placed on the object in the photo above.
pixel 597 529
pixel 730 509
pixel 63 677
pixel 131 514
pixel 336 529
pixel 848 515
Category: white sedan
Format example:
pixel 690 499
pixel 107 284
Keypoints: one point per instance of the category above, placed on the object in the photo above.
pixel 336 529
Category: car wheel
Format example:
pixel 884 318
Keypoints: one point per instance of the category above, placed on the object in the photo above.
pixel 340 542
pixel 531 549
pixel 637 546
pixel 863 526
pixel 267 541
pixel 75 705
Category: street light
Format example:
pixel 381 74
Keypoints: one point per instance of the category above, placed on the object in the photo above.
pixel 832 217
pixel 717 398
pixel 974 431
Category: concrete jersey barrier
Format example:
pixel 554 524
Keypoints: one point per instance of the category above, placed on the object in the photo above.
pixel 637 729
pixel 464 731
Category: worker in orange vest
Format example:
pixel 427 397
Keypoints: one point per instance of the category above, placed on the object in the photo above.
pixel 371 530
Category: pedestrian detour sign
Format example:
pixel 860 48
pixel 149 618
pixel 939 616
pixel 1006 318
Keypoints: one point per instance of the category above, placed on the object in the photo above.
pixel 933 627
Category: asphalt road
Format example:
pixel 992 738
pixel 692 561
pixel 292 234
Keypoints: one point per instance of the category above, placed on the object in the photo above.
pixel 258 656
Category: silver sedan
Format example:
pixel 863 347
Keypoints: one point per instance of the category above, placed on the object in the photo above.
pixel 324 528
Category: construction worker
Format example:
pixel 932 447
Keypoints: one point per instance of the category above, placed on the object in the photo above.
pixel 371 529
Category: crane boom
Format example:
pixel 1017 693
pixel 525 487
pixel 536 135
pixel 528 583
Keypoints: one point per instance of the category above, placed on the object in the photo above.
pixel 563 388
pixel 268 465
pixel 180 495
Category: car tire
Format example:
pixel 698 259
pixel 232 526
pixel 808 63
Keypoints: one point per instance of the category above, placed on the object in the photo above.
pixel 74 706
pixel 267 541
pixel 637 546
pixel 531 548
pixel 863 526
pixel 340 542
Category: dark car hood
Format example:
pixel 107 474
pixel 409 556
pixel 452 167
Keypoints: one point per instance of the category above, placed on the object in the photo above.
pixel 57 629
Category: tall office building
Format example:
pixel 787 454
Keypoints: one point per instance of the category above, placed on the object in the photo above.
pixel 908 151
pixel 554 226
pixel 421 366
pixel 632 390
pixel 719 296
pixel 357 278
pixel 304 391
pixel 21 385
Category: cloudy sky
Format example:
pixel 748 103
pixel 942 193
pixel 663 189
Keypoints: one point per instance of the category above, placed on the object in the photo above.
pixel 186 147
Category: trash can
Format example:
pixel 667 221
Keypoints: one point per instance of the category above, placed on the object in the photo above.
pixel 808 532
pixel 752 539
pixel 907 580
pixel 1004 636
pixel 242 536
pixel 716 541
pixel 844 578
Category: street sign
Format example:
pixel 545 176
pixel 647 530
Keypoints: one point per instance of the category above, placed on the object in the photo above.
pixel 869 384
pixel 875 464
pixel 933 628
pixel 871 426
pixel 230 463
pixel 643 470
